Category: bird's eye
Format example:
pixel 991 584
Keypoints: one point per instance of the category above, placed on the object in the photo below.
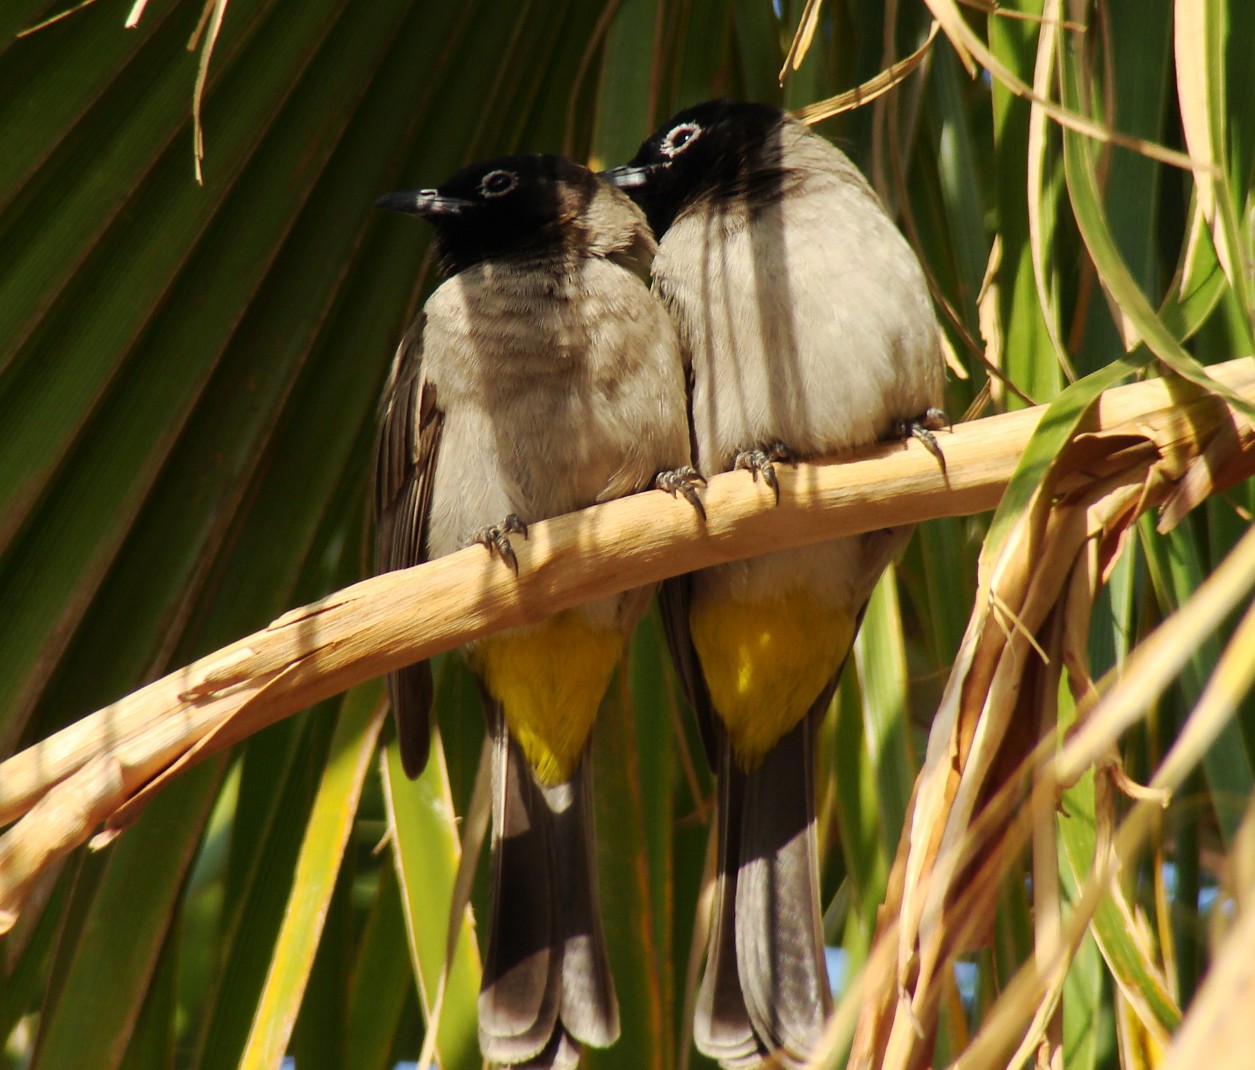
pixel 679 138
pixel 498 183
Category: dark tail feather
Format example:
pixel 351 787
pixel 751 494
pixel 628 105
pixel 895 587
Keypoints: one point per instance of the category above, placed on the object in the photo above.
pixel 547 986
pixel 721 1024
pixel 410 692
pixel 522 987
pixel 766 983
pixel 780 947
pixel 561 1053
pixel 590 1008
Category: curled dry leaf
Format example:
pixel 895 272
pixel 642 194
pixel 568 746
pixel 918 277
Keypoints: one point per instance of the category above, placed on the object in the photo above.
pixel 996 729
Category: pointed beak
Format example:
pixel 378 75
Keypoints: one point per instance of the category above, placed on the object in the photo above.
pixel 630 177
pixel 424 202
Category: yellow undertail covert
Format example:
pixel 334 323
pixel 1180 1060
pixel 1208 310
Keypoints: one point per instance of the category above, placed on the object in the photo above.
pixel 765 663
pixel 550 679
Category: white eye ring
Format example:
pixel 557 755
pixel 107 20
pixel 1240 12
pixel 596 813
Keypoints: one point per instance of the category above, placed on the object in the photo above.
pixel 491 185
pixel 679 138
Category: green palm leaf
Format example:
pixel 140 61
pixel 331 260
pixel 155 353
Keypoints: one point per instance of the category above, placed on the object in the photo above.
pixel 188 382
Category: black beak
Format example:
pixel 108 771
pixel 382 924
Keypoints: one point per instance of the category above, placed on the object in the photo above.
pixel 424 202
pixel 630 177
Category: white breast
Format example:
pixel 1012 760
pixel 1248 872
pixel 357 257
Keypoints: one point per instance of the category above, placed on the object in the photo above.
pixel 808 321
pixel 558 388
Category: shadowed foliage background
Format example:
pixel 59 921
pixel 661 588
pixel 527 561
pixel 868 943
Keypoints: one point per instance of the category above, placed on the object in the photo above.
pixel 188 380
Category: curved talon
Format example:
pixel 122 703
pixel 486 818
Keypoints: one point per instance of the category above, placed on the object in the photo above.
pixel 922 427
pixel 761 461
pixel 684 481
pixel 496 539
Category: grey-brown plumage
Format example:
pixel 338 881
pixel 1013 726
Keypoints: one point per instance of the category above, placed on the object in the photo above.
pixel 541 377
pixel 809 329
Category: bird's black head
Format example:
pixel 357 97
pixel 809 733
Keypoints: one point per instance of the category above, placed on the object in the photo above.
pixel 511 206
pixel 721 147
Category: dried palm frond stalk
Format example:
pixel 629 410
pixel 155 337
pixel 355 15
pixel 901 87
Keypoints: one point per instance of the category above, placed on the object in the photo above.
pixel 990 781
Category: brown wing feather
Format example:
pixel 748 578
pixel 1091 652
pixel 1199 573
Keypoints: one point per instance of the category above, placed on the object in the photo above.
pixel 673 607
pixel 405 458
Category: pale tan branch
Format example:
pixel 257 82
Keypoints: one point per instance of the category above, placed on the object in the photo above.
pixel 89 773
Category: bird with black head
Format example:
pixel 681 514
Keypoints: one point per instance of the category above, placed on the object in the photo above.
pixel 807 321
pixel 540 378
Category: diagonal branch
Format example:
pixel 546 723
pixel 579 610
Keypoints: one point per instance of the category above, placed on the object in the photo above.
pixel 103 768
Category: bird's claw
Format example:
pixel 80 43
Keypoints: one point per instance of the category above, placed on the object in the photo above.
pixel 683 480
pixel 762 462
pixel 922 427
pixel 496 539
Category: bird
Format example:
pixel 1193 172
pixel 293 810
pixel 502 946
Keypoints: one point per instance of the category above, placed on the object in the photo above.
pixel 541 377
pixel 808 329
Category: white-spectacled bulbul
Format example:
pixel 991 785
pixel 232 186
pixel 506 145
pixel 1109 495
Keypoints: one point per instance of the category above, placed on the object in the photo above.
pixel 541 377
pixel 809 328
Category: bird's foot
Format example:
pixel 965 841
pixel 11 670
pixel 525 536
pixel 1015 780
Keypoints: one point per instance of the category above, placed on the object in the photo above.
pixel 762 462
pixel 922 427
pixel 684 481
pixel 496 539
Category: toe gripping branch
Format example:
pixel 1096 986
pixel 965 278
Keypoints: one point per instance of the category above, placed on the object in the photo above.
pixel 496 539
pixel 922 428
pixel 762 462
pixel 683 481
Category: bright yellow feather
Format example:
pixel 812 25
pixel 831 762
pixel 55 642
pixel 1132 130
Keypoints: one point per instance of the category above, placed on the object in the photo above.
pixel 550 679
pixel 765 663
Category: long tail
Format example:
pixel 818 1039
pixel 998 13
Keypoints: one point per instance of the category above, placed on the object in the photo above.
pixel 547 987
pixel 410 693
pixel 765 989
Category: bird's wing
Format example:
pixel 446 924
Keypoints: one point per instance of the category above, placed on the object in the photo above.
pixel 405 460
pixel 673 607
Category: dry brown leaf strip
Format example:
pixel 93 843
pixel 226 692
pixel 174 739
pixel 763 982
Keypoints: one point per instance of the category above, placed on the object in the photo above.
pixel 997 725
